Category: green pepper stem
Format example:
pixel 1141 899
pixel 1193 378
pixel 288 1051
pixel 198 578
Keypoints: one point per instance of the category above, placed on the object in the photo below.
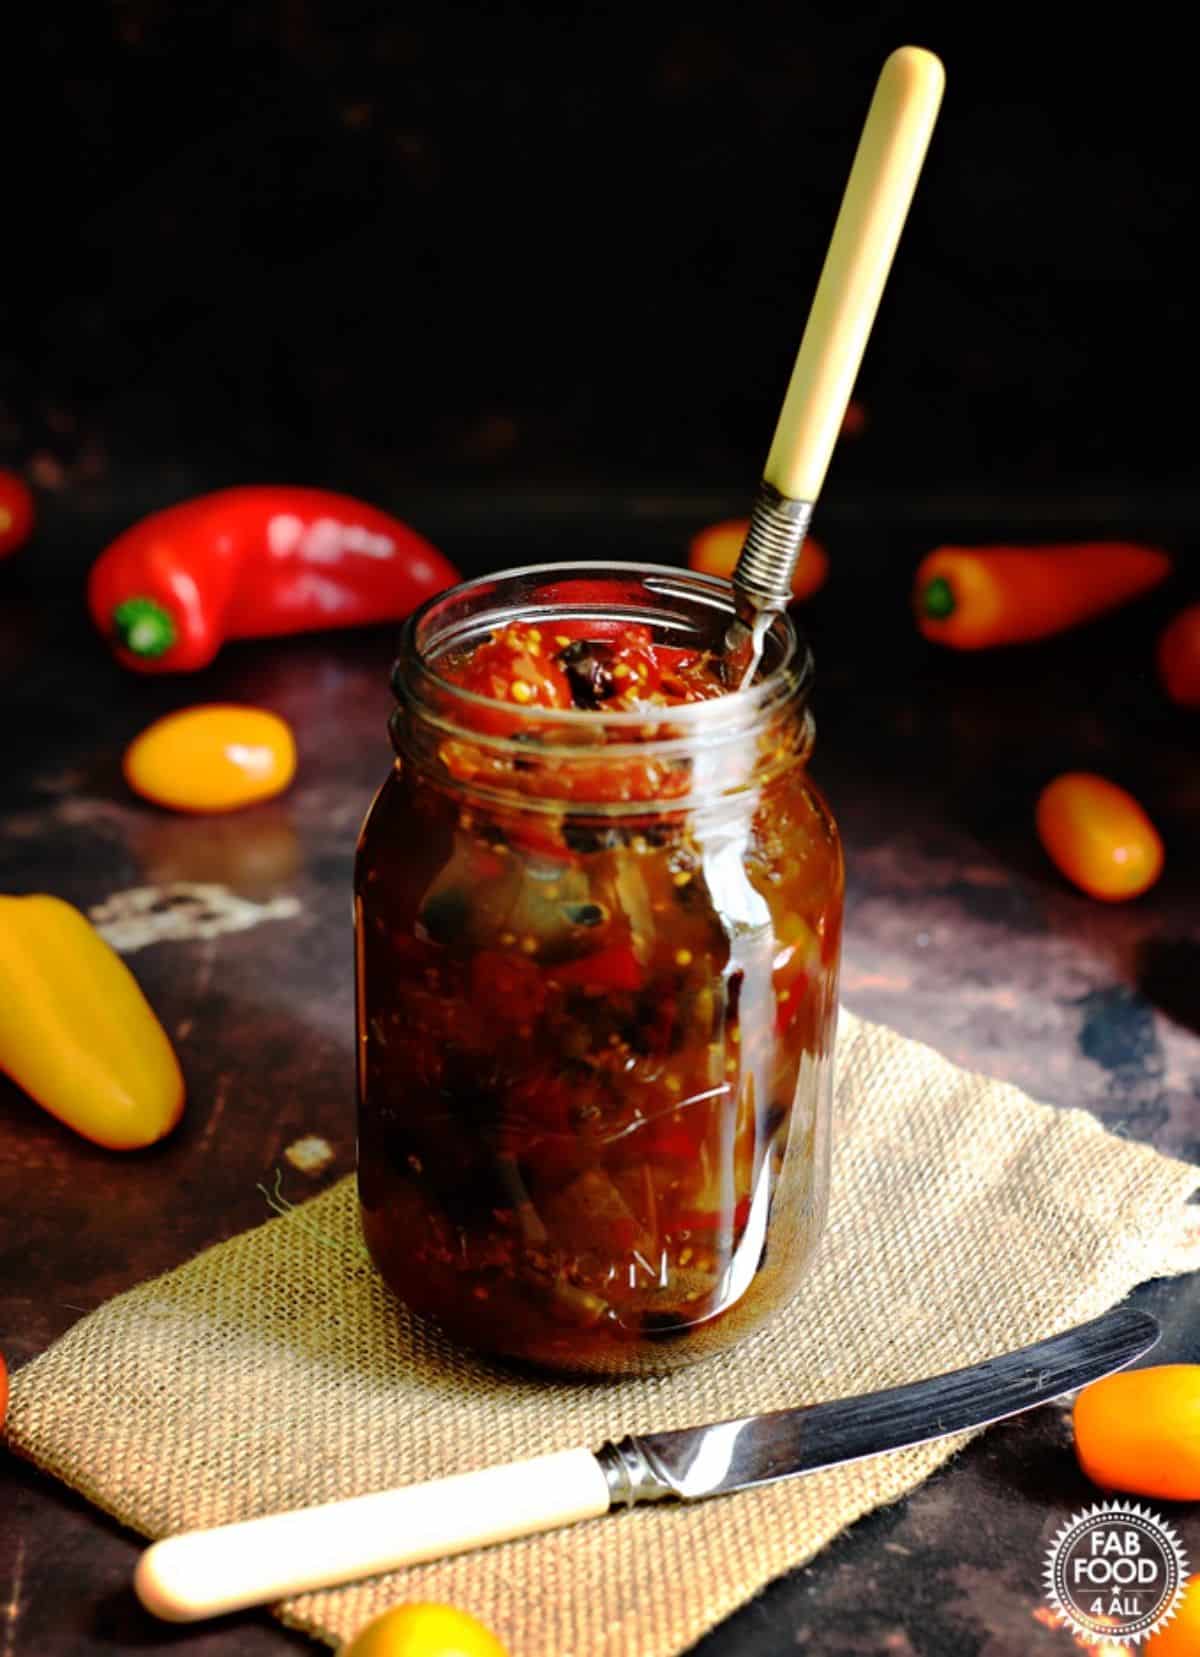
pixel 143 627
pixel 938 598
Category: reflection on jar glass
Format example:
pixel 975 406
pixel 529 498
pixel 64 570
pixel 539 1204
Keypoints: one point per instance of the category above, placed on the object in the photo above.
pixel 597 951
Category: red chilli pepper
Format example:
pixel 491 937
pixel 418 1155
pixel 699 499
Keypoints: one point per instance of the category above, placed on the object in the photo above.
pixel 16 512
pixel 251 563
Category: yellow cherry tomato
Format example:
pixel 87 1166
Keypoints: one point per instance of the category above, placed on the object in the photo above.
pixel 424 1631
pixel 1181 1636
pixel 1139 1432
pixel 216 757
pixel 714 551
pixel 1099 836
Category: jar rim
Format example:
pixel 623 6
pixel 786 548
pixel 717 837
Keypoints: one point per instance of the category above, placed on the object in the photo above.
pixel 788 677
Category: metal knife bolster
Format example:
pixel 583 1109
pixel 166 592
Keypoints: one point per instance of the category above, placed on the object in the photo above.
pixel 767 561
pixel 633 1474
pixel 694 1462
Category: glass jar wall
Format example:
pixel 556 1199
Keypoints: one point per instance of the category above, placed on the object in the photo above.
pixel 597 955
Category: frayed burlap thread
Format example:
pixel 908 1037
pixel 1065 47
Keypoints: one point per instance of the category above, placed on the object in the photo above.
pixel 966 1220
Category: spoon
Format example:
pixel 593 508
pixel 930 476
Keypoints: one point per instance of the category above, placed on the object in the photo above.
pixel 874 207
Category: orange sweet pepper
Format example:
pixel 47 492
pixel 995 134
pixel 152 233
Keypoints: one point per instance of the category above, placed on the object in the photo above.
pixel 714 551
pixel 1139 1432
pixel 77 1033
pixel 1181 1636
pixel 972 598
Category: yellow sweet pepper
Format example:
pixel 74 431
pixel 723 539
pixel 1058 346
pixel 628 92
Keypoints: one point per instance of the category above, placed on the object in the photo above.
pixel 77 1033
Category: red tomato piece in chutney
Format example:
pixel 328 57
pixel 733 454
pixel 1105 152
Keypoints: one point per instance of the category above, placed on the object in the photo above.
pixel 598 665
pixel 515 666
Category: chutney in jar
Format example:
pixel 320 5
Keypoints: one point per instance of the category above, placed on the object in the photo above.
pixel 598 906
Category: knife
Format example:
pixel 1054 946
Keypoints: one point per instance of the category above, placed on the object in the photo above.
pixel 204 1572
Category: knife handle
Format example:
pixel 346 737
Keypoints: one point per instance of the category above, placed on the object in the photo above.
pixel 204 1572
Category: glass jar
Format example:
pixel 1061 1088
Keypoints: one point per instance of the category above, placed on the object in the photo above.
pixel 597 961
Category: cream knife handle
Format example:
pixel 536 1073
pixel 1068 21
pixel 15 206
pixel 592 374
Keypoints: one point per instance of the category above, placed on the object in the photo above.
pixel 205 1572
pixel 881 184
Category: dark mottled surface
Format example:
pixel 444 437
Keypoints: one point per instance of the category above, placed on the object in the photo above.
pixel 958 932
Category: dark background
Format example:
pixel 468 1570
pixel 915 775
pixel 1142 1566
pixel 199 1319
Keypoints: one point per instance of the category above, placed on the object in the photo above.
pixel 531 247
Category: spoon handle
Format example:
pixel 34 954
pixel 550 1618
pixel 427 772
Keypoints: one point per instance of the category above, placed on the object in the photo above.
pixel 886 166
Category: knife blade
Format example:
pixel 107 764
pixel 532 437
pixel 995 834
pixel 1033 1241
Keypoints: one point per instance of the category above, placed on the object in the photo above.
pixel 697 1462
pixel 206 1572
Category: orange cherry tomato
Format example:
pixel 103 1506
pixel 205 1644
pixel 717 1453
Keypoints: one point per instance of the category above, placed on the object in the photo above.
pixel 216 757
pixel 1099 836
pixel 425 1631
pixel 1139 1432
pixel 1181 1636
pixel 715 552
pixel 1178 658
pixel 16 512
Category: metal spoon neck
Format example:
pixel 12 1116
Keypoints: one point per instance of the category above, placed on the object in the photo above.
pixel 767 562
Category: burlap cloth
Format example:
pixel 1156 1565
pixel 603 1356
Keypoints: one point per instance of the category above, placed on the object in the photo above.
pixel 274 1370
